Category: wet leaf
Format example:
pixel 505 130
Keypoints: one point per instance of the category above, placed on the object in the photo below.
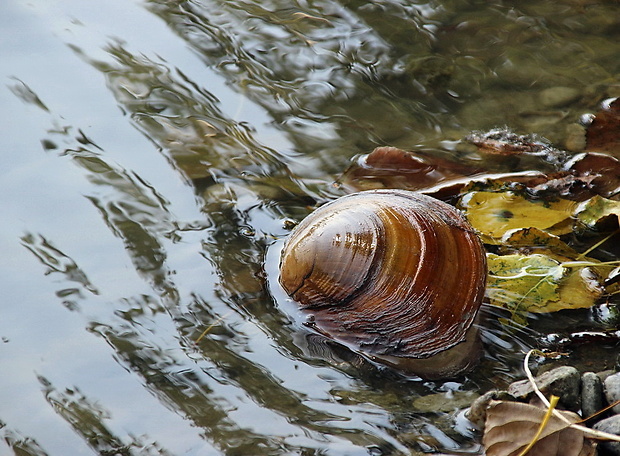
pixel 600 173
pixel 583 177
pixel 603 134
pixel 495 213
pixel 520 283
pixel 533 239
pixel 597 210
pixel 540 283
pixel 510 427
pixel 451 189
pixel 563 185
pixel 390 167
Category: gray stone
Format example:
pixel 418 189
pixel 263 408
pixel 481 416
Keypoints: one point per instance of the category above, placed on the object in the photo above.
pixel 591 394
pixel 612 426
pixel 563 381
pixel 604 374
pixel 557 97
pixel 477 413
pixel 612 390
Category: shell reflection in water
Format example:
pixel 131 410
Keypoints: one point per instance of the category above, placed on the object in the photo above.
pixel 393 274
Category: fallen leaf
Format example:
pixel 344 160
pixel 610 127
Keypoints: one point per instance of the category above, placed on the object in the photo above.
pixel 563 185
pixel 492 214
pixel 597 210
pixel 600 171
pixel 502 141
pixel 534 239
pixel 511 426
pixel 603 133
pixel 520 283
pixel 540 283
pixel 390 167
pixel 451 189
pixel 583 177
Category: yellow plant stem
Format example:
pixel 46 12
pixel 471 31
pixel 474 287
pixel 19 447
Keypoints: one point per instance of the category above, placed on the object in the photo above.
pixel 210 327
pixel 591 264
pixel 552 403
pixel 598 244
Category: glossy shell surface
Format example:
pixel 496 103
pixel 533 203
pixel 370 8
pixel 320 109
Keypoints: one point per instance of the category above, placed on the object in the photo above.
pixel 388 272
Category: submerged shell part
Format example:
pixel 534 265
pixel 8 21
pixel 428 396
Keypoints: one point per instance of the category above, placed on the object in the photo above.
pixel 389 272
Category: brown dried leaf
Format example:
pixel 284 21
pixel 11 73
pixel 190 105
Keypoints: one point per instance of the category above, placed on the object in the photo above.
pixel 600 171
pixel 603 134
pixel 390 167
pixel 510 426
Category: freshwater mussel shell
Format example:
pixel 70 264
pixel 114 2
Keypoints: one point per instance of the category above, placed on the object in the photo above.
pixel 387 272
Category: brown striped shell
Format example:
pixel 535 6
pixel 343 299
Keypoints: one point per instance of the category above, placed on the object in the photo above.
pixel 391 273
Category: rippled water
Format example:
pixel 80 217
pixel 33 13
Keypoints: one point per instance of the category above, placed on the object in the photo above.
pixel 153 156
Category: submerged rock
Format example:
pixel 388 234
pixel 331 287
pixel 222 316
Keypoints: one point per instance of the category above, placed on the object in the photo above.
pixel 557 97
pixel 444 402
pixel 575 140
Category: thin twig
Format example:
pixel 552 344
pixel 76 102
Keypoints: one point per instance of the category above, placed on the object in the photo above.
pixel 588 432
pixel 210 327
pixel 603 410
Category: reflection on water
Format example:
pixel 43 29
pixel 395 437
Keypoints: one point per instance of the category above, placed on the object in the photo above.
pixel 168 338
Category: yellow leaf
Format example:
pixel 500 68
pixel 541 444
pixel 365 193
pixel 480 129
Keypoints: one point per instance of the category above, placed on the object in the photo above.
pixel 537 239
pixel 495 213
pixel 539 283
pixel 596 209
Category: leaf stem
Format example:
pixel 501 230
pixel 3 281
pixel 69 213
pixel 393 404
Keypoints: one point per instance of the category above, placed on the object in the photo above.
pixel 552 403
pixel 579 264
pixel 598 244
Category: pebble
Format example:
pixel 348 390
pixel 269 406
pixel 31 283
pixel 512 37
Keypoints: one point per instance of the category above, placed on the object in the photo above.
pixel 563 381
pixel 591 394
pixel 612 390
pixel 557 97
pixel 612 426
pixel 575 139
pixel 477 413
pixel 444 402
pixel 604 374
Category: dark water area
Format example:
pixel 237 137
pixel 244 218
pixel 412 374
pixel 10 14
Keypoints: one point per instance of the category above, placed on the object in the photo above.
pixel 154 156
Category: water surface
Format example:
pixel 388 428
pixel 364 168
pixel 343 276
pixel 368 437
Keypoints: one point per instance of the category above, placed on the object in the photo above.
pixel 154 154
